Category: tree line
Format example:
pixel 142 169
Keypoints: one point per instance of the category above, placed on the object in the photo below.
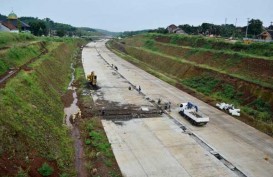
pixel 254 28
pixel 39 27
pixel 47 27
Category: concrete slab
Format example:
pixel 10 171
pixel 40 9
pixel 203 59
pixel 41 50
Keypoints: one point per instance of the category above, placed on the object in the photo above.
pixel 159 152
pixel 239 143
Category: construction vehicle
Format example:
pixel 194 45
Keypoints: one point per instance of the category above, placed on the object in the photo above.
pixel 92 78
pixel 190 111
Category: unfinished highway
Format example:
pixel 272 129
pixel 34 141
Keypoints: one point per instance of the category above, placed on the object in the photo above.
pixel 167 144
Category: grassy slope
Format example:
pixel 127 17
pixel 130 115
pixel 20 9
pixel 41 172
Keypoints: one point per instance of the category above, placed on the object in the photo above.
pixel 221 74
pixel 9 39
pixel 255 49
pixel 31 115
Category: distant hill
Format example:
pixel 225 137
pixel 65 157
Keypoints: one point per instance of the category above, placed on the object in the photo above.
pixel 49 27
pixel 108 33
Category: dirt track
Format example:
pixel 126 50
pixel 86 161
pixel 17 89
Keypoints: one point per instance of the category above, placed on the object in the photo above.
pixel 245 148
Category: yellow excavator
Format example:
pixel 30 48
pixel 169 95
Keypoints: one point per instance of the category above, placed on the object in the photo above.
pixel 92 78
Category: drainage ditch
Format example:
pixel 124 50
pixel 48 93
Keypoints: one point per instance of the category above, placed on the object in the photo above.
pixel 71 114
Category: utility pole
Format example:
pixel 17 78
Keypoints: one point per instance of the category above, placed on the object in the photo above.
pixel 247 26
pixel 234 33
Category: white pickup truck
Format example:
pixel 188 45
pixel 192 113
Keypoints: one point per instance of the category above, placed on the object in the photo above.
pixel 191 112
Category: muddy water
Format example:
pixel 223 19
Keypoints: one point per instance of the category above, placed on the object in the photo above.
pixel 71 114
pixel 73 108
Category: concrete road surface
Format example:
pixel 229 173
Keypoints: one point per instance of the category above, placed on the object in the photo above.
pixel 158 146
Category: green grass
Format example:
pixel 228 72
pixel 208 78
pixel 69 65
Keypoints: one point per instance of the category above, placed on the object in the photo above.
pixel 99 140
pixel 259 109
pixel 225 92
pixel 228 93
pixel 257 48
pixel 7 39
pixel 97 148
pixel 234 63
pixel 246 77
pixel 150 44
pixel 203 84
pixel 17 56
pixel 31 111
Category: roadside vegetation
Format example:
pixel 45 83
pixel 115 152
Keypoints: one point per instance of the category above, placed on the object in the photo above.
pixel 257 49
pixel 10 39
pixel 35 140
pixel 219 70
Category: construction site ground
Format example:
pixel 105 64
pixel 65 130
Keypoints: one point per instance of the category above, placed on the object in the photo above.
pixel 146 143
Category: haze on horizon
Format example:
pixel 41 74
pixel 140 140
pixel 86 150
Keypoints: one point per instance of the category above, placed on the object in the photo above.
pixel 122 15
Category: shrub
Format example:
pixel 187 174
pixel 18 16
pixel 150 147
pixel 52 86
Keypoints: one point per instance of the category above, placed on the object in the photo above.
pixel 203 84
pixel 87 141
pixel 90 127
pixel 45 170
pixel 149 44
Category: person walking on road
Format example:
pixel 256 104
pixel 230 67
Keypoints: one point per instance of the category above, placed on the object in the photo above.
pixel 139 89
pixel 169 106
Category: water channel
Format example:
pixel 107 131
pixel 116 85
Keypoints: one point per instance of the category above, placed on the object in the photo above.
pixel 72 113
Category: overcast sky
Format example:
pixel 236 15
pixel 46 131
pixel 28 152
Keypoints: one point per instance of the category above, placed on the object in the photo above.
pixel 126 15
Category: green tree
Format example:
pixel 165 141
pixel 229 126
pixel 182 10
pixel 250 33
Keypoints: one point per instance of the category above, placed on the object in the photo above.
pixel 207 28
pixel 255 27
pixel 60 32
pixel 38 28
pixel 19 25
pixel 162 30
pixel 227 30
pixel 187 28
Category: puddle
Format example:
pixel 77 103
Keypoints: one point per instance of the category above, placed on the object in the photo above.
pixel 73 109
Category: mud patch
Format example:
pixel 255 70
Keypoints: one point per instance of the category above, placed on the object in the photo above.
pixel 116 111
pixel 10 166
pixel 79 152
pixel 67 98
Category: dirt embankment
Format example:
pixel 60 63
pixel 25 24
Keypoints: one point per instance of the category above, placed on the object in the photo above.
pixel 233 63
